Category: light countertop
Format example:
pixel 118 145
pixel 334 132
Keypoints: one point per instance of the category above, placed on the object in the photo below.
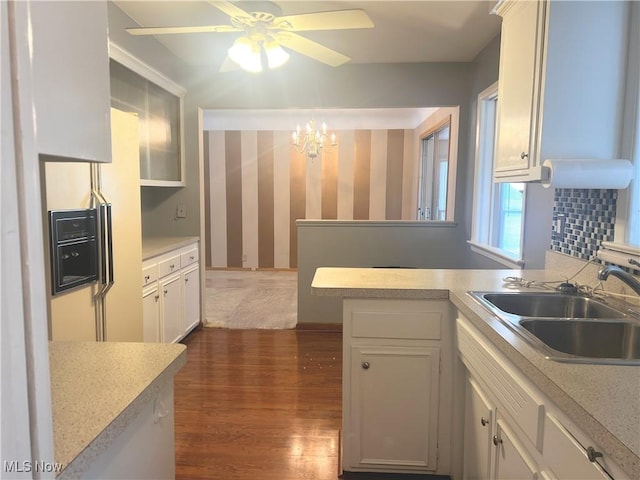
pixel 602 400
pixel 153 246
pixel 97 388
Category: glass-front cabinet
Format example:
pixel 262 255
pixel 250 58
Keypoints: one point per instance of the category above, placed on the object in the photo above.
pixel 159 112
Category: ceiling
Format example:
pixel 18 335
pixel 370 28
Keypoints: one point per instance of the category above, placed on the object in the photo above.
pixel 404 31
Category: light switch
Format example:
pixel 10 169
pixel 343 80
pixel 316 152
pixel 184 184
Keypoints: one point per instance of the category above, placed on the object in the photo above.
pixel 181 211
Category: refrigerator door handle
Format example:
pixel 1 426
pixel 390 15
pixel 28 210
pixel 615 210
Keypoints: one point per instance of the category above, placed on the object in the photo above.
pixel 103 244
pixel 109 211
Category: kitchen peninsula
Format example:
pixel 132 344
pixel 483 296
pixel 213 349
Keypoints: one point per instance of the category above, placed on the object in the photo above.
pixel 112 406
pixel 597 404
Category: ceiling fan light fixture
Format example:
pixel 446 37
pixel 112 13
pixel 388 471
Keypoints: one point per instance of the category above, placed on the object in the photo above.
pixel 276 55
pixel 246 53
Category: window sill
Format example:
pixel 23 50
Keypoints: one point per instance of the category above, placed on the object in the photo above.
pixel 496 255
pixel 619 254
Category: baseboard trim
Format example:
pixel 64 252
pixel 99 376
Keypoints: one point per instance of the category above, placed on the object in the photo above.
pixel 247 269
pixel 319 327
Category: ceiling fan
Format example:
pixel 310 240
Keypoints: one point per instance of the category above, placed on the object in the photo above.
pixel 265 31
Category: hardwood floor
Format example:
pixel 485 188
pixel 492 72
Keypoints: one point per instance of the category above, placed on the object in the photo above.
pixel 259 404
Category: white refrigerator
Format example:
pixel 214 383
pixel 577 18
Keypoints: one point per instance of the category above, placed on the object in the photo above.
pixel 87 313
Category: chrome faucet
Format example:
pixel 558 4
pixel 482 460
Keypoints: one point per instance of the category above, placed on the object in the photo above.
pixel 626 277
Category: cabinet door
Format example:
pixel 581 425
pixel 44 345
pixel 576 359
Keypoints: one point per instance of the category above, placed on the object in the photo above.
pixel 171 309
pixel 517 91
pixel 394 395
pixel 191 298
pixel 479 421
pixel 71 79
pixel 151 315
pixel 512 461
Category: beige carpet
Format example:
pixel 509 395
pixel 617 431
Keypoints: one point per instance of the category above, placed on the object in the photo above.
pixel 251 299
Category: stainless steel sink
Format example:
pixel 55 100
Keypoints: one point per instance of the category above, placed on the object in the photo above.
pixel 612 340
pixel 549 305
pixel 568 328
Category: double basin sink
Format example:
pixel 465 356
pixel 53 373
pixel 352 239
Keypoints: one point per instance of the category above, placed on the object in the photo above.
pixel 568 327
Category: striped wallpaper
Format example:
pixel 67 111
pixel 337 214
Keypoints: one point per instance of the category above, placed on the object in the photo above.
pixel 257 185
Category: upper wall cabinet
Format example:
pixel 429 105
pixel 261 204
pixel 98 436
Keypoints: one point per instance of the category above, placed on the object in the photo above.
pixel 136 87
pixel 562 69
pixel 71 80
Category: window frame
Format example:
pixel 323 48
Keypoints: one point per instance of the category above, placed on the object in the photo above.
pixel 428 187
pixel 484 195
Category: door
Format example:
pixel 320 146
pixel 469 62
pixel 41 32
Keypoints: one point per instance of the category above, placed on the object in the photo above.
pixel 151 314
pixel 171 309
pixel 479 421
pixel 191 298
pixel 394 407
pixel 512 461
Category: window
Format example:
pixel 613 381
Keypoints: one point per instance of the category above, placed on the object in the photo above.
pixel 627 227
pixel 498 216
pixel 434 174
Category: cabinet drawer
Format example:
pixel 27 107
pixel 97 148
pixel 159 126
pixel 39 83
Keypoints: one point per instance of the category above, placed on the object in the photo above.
pixel 189 257
pixel 169 265
pixel 408 325
pixel 149 274
pixel 565 456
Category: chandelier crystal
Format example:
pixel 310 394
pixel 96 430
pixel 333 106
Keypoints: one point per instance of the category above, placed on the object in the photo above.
pixel 311 140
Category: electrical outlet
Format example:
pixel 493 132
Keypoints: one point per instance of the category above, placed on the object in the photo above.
pixel 181 211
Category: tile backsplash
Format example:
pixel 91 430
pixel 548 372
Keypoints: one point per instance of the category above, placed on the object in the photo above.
pixel 582 220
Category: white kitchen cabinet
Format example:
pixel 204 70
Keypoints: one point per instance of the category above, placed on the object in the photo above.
pixel 520 54
pixel 171 316
pixel 512 460
pixel 71 80
pixel 151 314
pixel 560 84
pixel 175 277
pixel 146 447
pixel 530 438
pixel 479 425
pixel 191 298
pixel 393 352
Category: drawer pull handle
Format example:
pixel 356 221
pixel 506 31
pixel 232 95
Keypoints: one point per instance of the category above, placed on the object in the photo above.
pixel 497 440
pixel 523 155
pixel 484 421
pixel 191 257
pixel 366 365
pixel 592 454
pixel 146 278
pixel 172 266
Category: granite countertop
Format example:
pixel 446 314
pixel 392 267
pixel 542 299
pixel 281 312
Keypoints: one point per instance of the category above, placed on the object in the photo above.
pixel 153 246
pixel 602 400
pixel 97 388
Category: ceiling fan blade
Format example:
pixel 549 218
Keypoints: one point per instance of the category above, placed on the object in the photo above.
pixel 311 49
pixel 334 20
pixel 230 9
pixel 172 30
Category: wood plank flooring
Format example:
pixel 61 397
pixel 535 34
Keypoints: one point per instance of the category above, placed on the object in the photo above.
pixel 259 404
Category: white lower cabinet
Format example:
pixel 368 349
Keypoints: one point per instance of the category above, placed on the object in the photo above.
pixel 191 288
pixel 171 294
pixel 151 314
pixel 171 317
pixel 145 449
pixel 511 430
pixel 393 353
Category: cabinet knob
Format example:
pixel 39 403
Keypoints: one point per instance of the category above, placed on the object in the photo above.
pixel 192 257
pixel 146 278
pixel 592 454
pixel 186 280
pixel 172 266
pixel 366 365
pixel 484 421
pixel 165 292
pixel 157 297
pixel 523 155
pixel 497 440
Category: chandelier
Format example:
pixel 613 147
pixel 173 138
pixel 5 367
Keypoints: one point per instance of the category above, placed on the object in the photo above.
pixel 311 140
